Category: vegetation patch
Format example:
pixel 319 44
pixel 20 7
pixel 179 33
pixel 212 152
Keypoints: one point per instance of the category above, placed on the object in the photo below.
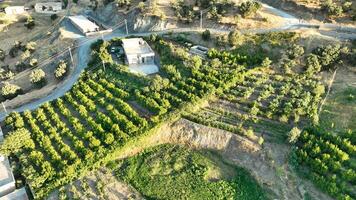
pixel 74 133
pixel 174 172
pixel 328 160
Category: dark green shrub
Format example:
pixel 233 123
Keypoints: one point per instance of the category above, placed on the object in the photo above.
pixel 249 8
pixel 206 35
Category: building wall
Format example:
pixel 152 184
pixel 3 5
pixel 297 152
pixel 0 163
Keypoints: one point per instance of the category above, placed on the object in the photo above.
pixel 55 8
pixel 84 29
pixel 7 188
pixel 138 59
pixel 14 10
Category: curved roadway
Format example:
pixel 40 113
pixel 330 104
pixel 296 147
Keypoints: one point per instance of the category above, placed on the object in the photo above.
pixel 291 23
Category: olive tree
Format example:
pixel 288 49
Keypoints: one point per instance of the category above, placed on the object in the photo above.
pixel 9 90
pixel 16 140
pixel 293 135
pixel 37 76
pixel 31 46
pixel 30 22
pixel 33 62
pixel 312 65
pixel 295 51
pixel 331 8
pixel 61 70
pixel 249 8
pixel 235 38
pixel 206 35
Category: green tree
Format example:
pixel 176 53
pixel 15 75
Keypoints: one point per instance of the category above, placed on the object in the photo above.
pixel 25 55
pixel 33 62
pixel 158 83
pixel 266 62
pixel 122 3
pixel 30 22
pixel 293 135
pixel 141 6
pixel 16 140
pixel 331 8
pixel 235 38
pixel 206 35
pixel 54 17
pixel 10 90
pixel 31 46
pixel 295 51
pixel 249 8
pixel 61 70
pixel 215 63
pixel 196 62
pixel 37 76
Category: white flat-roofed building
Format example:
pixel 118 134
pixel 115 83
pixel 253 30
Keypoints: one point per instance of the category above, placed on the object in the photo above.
pixel 14 10
pixel 137 51
pixel 84 24
pixel 48 7
pixel 139 56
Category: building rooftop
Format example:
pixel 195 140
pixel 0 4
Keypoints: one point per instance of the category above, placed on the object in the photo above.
pixel 19 194
pixel 5 172
pixel 136 46
pixel 83 22
pixel 49 4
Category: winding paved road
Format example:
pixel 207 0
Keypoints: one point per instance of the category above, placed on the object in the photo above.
pixel 291 23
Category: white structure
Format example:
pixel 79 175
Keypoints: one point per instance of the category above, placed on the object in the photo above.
pixel 137 51
pixel 199 50
pixel 14 10
pixel 84 24
pixel 139 56
pixel 19 194
pixel 7 180
pixel 48 7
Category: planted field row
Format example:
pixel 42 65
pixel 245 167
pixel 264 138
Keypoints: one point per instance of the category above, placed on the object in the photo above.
pixel 330 161
pixel 71 133
pixel 78 131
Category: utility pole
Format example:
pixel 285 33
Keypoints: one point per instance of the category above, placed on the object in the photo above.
pixel 71 56
pixel 3 105
pixel 103 65
pixel 201 20
pixel 127 31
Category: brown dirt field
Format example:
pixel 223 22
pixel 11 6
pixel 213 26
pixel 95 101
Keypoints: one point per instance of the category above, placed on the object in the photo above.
pixel 309 10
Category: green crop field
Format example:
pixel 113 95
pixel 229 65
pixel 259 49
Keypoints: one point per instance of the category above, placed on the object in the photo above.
pixel 174 172
pixel 107 110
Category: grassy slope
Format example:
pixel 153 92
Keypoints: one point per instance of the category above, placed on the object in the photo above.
pixel 339 112
pixel 174 172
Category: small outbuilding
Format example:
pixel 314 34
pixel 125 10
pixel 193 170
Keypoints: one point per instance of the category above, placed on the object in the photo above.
pixel 199 51
pixel 14 10
pixel 48 7
pixel 84 24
